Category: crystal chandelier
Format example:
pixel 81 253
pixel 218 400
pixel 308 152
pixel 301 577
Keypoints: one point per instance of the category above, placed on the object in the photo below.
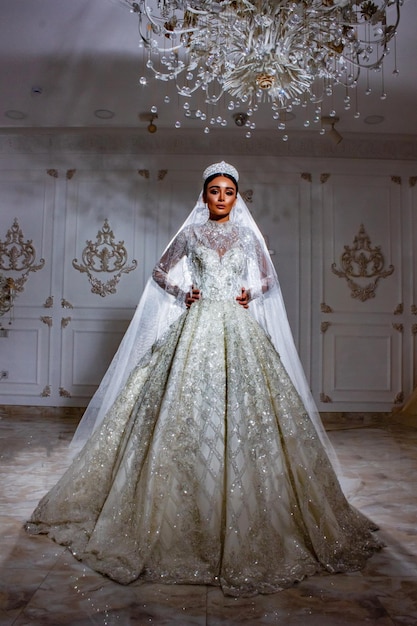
pixel 282 52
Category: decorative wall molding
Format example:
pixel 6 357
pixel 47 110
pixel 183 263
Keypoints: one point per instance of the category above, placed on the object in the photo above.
pixel 64 393
pixel 325 308
pixel 325 398
pixel 247 195
pixel 46 392
pixel 49 302
pixel 399 327
pixel 104 256
pixel 146 174
pixel 399 309
pixel 53 173
pixel 70 174
pixel 396 180
pixel 412 181
pixel 7 297
pixel 399 398
pixel 266 143
pixel 46 319
pixel 65 321
pixel 363 262
pixel 324 326
pixel 65 304
pixel 307 176
pixel 17 255
pixel 324 178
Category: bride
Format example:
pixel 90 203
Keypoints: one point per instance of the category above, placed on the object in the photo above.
pixel 203 458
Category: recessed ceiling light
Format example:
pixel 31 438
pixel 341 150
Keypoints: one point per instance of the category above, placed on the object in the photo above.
pixel 103 114
pixel 374 119
pixel 36 90
pixel 15 115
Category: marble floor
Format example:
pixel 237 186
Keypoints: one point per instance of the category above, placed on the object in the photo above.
pixel 41 584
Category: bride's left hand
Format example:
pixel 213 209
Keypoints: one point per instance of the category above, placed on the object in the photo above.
pixel 244 298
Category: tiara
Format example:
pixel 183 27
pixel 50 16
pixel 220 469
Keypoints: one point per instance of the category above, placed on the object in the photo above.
pixel 221 168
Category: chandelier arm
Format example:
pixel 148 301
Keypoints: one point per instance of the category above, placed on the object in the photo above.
pixel 159 23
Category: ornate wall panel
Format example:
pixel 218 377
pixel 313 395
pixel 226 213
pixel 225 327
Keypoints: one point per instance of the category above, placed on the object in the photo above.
pixel 355 207
pixel 98 202
pixel 362 365
pixel 25 357
pixel 27 206
pixel 361 294
pixel 27 201
pixel 88 345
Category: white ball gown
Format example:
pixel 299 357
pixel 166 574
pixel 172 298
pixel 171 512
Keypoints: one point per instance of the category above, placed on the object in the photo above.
pixel 207 468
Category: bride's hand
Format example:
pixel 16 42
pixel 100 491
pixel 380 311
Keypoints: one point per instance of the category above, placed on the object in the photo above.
pixel 192 296
pixel 244 298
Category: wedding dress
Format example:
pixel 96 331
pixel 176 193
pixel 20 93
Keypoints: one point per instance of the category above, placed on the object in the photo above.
pixel 207 468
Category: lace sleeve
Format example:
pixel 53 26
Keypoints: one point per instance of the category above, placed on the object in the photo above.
pixel 261 277
pixel 164 272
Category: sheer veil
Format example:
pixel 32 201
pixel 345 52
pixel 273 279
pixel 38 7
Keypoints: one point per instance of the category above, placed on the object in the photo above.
pixel 157 310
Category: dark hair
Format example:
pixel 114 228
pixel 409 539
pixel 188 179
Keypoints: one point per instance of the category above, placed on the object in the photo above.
pixel 213 176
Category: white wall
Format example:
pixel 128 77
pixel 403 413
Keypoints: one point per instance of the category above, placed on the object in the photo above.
pixel 358 355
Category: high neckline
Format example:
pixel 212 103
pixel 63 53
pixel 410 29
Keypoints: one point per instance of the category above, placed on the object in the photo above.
pixel 217 223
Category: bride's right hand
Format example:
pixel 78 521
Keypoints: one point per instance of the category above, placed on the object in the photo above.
pixel 192 296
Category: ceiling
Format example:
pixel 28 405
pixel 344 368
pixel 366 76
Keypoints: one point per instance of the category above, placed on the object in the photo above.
pixel 62 63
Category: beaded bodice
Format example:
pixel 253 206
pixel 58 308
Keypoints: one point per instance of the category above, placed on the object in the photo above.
pixel 218 261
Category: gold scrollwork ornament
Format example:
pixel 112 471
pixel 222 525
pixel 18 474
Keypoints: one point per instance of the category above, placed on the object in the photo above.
pixel 325 308
pixel 398 327
pixel 17 255
pixel 247 195
pixel 7 296
pixel 362 261
pixel 104 256
pixel 46 392
pixel 325 398
pixel 399 398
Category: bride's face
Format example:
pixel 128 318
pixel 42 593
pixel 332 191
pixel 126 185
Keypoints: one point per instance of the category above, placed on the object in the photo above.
pixel 220 198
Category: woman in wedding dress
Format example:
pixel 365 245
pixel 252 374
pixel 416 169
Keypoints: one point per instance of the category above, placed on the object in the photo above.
pixel 203 457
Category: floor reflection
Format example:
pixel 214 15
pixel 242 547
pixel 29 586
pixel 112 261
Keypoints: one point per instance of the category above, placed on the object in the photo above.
pixel 41 584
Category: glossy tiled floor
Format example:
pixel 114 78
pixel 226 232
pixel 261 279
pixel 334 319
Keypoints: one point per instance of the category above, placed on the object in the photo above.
pixel 41 584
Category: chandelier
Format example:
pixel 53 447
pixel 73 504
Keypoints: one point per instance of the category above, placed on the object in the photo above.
pixel 285 53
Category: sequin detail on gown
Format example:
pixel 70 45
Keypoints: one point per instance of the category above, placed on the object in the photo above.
pixel 207 469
